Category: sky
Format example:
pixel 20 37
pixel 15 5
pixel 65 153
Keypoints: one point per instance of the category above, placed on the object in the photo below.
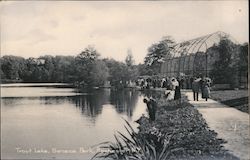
pixel 35 28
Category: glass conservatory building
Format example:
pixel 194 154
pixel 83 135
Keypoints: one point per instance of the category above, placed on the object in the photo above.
pixel 193 57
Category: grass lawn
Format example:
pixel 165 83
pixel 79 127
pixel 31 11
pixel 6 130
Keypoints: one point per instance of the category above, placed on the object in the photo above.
pixel 233 98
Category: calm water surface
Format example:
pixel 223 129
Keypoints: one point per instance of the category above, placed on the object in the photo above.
pixel 37 118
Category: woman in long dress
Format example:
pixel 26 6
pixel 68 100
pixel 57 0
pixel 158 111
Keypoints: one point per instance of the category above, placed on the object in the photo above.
pixel 177 88
pixel 177 93
pixel 170 93
pixel 206 90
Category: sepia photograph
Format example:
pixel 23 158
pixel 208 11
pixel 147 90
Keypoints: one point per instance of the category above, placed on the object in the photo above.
pixel 124 80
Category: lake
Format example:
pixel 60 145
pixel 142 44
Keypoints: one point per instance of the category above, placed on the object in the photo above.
pixel 54 121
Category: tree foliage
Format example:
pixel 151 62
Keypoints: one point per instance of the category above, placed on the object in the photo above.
pixel 225 69
pixel 13 67
pixel 129 59
pixel 86 68
pixel 99 73
pixel 243 56
pixel 157 53
pixel 121 73
pixel 116 71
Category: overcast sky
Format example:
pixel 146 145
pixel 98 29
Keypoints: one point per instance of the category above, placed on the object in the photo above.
pixel 34 28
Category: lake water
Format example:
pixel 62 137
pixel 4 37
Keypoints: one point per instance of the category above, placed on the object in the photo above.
pixel 46 122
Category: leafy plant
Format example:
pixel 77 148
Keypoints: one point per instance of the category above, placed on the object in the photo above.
pixel 178 132
pixel 136 146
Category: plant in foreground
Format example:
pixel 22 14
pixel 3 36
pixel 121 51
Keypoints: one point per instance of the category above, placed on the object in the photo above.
pixel 136 146
pixel 178 132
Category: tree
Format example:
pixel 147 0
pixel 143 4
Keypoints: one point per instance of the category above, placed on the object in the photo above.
pixel 116 71
pixel 129 59
pixel 143 70
pixel 225 68
pixel 243 64
pixel 13 67
pixel 88 64
pixel 157 53
pixel 84 63
pixel 243 57
pixel 131 70
pixel 88 56
pixel 99 73
pixel 2 75
pixel 48 67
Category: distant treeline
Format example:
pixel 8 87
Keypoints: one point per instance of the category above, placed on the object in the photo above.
pixel 86 68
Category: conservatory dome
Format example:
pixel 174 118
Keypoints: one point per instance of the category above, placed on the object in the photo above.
pixel 193 56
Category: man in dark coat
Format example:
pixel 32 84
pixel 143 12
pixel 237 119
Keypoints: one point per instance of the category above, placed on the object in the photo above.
pixel 196 88
pixel 181 83
pixel 191 80
pixel 152 107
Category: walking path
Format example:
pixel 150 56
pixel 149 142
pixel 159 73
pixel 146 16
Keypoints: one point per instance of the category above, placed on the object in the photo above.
pixel 231 124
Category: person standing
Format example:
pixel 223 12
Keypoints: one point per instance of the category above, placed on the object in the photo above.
pixel 191 80
pixel 206 90
pixel 154 83
pixel 187 83
pixel 177 93
pixel 196 88
pixel 202 85
pixel 181 82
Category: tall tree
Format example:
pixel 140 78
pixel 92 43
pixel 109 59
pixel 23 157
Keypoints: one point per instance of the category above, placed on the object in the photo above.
pixel 243 57
pixel 131 70
pixel 90 70
pixel 13 67
pixel 225 67
pixel 99 73
pixel 243 64
pixel 129 59
pixel 116 71
pixel 84 63
pixel 157 53
pixel 48 67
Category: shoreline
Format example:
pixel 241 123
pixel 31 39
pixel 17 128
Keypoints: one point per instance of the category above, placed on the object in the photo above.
pixel 178 132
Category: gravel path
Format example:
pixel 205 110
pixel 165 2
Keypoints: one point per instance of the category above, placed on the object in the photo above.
pixel 231 124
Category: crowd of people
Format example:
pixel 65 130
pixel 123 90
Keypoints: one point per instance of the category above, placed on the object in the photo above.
pixel 147 83
pixel 173 89
pixel 174 85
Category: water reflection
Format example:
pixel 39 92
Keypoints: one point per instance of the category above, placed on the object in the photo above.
pixel 152 93
pixel 90 104
pixel 48 117
pixel 124 101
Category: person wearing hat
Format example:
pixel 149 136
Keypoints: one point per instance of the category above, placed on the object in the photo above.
pixel 196 88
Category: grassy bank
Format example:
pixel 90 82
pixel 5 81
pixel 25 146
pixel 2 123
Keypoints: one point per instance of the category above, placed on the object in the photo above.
pixel 233 98
pixel 179 132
